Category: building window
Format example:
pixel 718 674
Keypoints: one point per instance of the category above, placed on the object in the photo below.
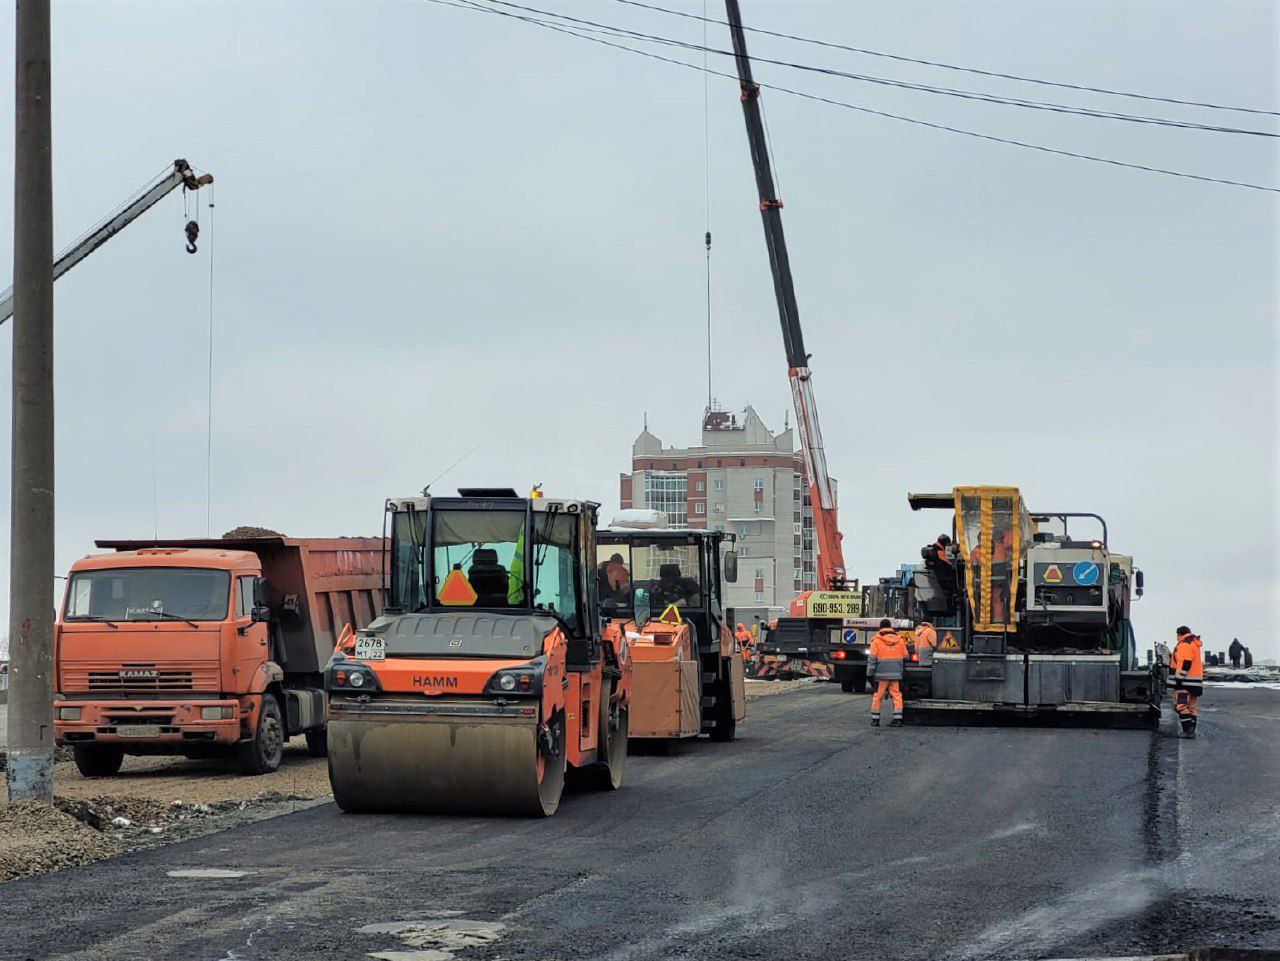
pixel 742 462
pixel 700 507
pixel 759 483
pixel 719 483
pixel 742 552
pixel 700 485
pixel 759 573
pixel 718 507
pixel 699 465
pixel 797 528
pixel 759 506
pixel 759 597
pixel 667 493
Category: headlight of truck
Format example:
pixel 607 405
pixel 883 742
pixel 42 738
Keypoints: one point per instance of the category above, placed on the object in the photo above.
pixel 221 713
pixel 68 714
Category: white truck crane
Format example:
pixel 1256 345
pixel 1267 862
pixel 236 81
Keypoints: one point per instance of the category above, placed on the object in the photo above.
pixel 180 175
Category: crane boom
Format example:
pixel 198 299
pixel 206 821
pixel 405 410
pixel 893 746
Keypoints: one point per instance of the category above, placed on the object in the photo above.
pixel 830 561
pixel 180 176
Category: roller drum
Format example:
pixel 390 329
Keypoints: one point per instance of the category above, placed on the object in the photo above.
pixel 463 765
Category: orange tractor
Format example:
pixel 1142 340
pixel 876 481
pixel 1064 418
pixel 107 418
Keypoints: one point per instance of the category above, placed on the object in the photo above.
pixel 488 679
pixel 661 590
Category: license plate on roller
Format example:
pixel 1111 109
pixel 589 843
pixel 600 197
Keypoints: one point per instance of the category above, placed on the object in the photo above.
pixel 371 649
pixel 139 730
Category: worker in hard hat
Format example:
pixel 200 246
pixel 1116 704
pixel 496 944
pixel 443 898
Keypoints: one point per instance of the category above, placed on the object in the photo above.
pixel 616 574
pixel 744 637
pixel 926 641
pixel 885 662
pixel 1186 678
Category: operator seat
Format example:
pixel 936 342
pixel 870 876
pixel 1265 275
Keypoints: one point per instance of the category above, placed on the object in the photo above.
pixel 488 578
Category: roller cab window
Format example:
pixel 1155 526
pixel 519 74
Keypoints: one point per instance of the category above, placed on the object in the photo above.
pixel 491 560
pixel 670 571
pixel 148 594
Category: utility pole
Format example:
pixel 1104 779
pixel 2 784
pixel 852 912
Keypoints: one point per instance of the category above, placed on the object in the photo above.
pixel 29 771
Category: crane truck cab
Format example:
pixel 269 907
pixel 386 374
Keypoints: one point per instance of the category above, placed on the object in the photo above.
pixel 204 647
pixel 661 592
pixel 1040 628
pixel 488 679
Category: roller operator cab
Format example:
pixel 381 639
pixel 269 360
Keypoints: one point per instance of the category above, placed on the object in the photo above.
pixel 661 593
pixel 489 678
pixel 205 647
pixel 1033 620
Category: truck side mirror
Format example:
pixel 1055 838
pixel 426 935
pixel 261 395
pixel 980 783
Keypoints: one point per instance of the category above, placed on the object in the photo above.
pixel 259 592
pixel 260 614
pixel 1137 583
pixel 641 606
pixel 731 567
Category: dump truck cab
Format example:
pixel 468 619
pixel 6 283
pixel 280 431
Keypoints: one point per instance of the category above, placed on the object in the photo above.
pixel 208 646
pixel 1040 624
pixel 661 589
pixel 488 678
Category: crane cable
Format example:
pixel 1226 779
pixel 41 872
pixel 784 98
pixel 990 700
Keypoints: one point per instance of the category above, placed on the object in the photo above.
pixel 706 159
pixel 208 452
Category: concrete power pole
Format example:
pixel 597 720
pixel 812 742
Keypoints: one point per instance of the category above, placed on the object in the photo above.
pixel 30 764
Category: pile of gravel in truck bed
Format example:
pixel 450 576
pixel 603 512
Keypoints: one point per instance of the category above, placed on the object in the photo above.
pixel 248 530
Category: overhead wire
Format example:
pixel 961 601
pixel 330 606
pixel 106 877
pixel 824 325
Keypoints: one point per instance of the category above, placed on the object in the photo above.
pixel 594 26
pixel 958 67
pixel 473 6
pixel 706 160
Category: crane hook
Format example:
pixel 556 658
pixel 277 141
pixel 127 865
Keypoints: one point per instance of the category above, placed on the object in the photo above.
pixel 193 231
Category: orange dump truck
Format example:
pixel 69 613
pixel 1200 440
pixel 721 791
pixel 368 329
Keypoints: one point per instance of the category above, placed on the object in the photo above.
pixel 660 589
pixel 206 647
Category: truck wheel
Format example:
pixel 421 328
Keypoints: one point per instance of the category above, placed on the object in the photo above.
pixel 846 684
pixel 98 760
pixel 860 680
pixel 263 754
pixel 318 743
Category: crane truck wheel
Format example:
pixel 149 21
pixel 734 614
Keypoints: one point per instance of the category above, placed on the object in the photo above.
pixel 725 728
pixel 98 760
pixel 318 743
pixel 264 752
pixel 615 724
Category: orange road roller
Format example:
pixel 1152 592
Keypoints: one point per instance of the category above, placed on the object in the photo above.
pixel 661 592
pixel 488 679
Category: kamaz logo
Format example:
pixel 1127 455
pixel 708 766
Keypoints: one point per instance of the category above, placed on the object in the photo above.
pixel 138 674
pixel 435 682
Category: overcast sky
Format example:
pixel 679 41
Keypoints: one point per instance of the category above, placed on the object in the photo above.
pixel 437 230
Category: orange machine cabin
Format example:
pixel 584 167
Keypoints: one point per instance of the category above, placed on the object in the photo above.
pixel 207 646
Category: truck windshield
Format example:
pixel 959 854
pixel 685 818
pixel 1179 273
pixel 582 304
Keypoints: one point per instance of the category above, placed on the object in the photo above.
pixel 148 593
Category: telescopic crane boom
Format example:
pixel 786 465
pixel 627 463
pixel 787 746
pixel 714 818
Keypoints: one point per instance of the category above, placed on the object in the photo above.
pixel 180 176
pixel 830 561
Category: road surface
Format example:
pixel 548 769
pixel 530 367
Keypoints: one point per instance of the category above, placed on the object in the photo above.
pixel 811 837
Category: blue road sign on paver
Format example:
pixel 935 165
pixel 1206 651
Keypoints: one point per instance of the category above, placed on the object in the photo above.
pixel 1085 573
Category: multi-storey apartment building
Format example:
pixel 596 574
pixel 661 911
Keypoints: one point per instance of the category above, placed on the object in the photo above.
pixel 743 478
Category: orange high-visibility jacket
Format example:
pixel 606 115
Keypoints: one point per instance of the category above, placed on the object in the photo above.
pixel 1186 661
pixel 887 654
pixel 926 636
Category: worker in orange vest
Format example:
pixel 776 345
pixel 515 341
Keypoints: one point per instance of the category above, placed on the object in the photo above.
pixel 926 641
pixel 885 664
pixel 1186 678
pixel 744 638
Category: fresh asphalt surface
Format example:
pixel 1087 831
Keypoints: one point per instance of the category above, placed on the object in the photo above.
pixel 812 836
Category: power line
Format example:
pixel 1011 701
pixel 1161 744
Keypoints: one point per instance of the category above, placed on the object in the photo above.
pixel 471 6
pixel 593 26
pixel 951 66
